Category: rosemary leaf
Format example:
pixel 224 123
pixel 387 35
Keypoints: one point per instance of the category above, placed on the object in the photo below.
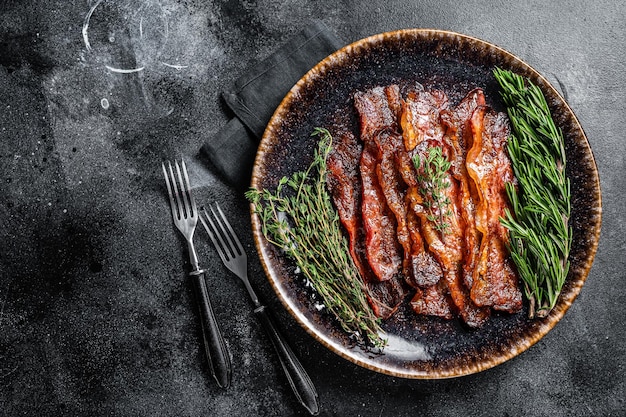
pixel 541 236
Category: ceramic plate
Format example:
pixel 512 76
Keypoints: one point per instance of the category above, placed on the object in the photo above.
pixel 419 347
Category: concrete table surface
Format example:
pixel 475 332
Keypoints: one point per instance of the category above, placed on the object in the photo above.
pixel 96 317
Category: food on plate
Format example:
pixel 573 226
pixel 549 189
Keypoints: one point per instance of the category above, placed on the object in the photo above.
pixel 438 207
pixel 344 184
pixel 299 218
pixel 432 191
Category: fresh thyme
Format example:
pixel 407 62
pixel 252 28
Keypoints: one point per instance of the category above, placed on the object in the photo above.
pixel 432 177
pixel 299 218
pixel 541 237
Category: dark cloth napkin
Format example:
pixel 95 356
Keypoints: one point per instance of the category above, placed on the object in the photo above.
pixel 256 94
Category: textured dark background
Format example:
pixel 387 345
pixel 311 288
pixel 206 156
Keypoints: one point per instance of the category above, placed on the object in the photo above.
pixel 96 317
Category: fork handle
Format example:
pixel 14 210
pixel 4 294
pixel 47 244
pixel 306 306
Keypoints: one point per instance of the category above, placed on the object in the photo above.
pixel 298 378
pixel 214 345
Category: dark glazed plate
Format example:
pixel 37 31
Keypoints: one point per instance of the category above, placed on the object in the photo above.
pixel 419 347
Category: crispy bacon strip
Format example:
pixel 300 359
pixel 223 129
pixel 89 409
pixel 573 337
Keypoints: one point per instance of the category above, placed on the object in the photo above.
pixel 375 113
pixel 422 127
pixel 459 135
pixel 432 301
pixel 424 268
pixel 345 187
pixel 377 119
pixel 420 119
pixel 494 281
pixel 391 186
pixel 384 106
pixel 381 245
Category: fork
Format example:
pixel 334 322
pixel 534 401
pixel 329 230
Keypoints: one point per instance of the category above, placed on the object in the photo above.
pixel 234 258
pixel 185 215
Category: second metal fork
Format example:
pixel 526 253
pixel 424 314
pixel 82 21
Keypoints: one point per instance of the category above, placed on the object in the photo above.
pixel 234 258
pixel 185 216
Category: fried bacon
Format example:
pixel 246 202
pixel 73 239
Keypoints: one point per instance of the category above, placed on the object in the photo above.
pixel 379 110
pixel 494 281
pixel 447 246
pixel 381 241
pixel 344 183
pixel 381 244
pixel 459 136
pixel 420 119
pixel 394 239
pixel 423 128
pixel 432 301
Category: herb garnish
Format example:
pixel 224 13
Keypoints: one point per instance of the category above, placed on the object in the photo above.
pixel 431 175
pixel 299 218
pixel 541 237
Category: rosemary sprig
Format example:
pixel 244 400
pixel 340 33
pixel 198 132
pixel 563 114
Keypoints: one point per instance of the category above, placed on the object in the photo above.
pixel 541 237
pixel 300 219
pixel 431 175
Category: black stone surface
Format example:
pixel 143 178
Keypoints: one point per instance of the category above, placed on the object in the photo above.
pixel 96 314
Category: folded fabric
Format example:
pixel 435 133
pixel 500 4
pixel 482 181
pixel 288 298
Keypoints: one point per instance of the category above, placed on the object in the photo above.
pixel 256 94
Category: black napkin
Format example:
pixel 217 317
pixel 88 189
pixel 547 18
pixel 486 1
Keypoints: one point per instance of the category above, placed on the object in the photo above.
pixel 255 95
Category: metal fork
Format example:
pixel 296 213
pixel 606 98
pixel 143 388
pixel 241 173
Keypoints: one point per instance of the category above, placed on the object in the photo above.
pixel 234 258
pixel 185 215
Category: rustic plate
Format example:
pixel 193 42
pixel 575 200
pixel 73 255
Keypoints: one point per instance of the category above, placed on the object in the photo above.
pixel 419 347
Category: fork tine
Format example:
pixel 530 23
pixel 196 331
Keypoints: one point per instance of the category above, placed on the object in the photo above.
pixel 172 190
pixel 180 210
pixel 223 247
pixel 190 204
pixel 169 187
pixel 183 196
pixel 231 235
pixel 211 233
pixel 192 201
pixel 225 237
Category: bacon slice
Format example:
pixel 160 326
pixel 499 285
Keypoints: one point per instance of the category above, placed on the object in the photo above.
pixel 381 242
pixel 459 135
pixel 345 187
pixel 381 245
pixel 420 119
pixel 457 123
pixel 494 281
pixel 393 190
pixel 422 127
pixel 375 113
pixel 381 109
pixel 424 268
pixel 432 301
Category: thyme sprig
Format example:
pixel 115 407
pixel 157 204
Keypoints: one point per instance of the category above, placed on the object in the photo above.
pixel 299 218
pixel 541 236
pixel 432 176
